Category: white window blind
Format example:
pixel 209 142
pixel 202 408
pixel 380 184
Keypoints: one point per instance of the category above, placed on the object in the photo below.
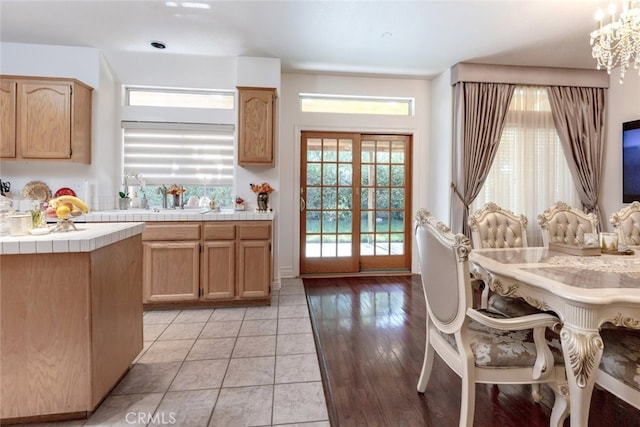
pixel 180 153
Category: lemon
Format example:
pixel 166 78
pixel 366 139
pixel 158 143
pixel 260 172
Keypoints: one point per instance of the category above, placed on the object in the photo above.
pixel 63 212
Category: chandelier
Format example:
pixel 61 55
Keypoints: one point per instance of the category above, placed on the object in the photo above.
pixel 617 43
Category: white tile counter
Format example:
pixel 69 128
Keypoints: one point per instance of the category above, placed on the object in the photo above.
pixel 87 238
pixel 175 215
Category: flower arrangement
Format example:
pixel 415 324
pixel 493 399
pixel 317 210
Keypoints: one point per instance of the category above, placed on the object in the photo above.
pixel 262 188
pixel 175 190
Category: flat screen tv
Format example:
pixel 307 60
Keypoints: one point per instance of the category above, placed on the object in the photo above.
pixel 631 161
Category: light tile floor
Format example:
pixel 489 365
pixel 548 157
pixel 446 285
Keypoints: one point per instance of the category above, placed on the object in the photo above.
pixel 223 367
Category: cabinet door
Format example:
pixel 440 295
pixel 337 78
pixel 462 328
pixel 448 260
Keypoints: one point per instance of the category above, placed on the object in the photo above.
pixel 218 270
pixel 8 119
pixel 256 126
pixel 44 120
pixel 254 268
pixel 171 271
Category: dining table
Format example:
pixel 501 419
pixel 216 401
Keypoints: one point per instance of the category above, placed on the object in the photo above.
pixel 585 292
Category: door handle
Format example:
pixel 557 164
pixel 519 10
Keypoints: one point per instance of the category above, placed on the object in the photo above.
pixel 303 204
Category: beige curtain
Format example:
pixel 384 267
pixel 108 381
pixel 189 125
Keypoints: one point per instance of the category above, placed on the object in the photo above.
pixel 579 116
pixel 479 114
pixel 530 172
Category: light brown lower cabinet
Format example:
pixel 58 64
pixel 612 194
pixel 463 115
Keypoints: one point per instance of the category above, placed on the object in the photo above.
pixel 207 263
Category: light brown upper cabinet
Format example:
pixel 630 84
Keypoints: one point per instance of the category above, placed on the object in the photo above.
pixel 45 119
pixel 256 126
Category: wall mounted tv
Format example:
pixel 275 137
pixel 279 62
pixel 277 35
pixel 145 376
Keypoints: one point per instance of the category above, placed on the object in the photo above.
pixel 631 161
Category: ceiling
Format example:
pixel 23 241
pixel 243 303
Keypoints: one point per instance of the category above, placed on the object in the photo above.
pixel 391 38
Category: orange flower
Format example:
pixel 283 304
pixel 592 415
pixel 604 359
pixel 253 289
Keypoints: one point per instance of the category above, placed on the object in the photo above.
pixel 262 188
pixel 175 190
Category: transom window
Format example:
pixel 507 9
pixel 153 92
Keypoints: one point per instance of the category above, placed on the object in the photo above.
pixel 342 104
pixel 153 97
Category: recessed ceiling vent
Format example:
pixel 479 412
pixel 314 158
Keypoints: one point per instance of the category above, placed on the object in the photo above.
pixel 158 45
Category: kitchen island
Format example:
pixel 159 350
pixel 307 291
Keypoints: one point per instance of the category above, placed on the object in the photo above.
pixel 70 319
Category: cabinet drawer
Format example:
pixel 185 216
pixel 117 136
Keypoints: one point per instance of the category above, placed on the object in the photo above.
pixel 171 231
pixel 219 232
pixel 255 231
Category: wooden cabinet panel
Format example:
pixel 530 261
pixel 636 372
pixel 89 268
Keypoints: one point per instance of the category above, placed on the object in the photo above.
pixel 254 269
pixel 256 126
pixel 51 120
pixel 219 232
pixel 7 119
pixel 218 270
pixel 254 231
pixel 171 271
pixel 171 231
pixel 44 120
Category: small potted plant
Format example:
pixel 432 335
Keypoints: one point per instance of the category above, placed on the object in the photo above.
pixel 124 201
pixel 262 191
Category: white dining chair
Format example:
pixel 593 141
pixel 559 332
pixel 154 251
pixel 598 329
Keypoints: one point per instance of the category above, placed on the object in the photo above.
pixel 481 347
pixel 626 222
pixel 562 223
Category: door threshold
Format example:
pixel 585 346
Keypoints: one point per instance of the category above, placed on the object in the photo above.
pixel 376 273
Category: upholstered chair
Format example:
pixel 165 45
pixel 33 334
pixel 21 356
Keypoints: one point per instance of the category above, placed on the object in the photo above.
pixel 627 223
pixel 495 227
pixel 619 371
pixel 481 347
pixel 563 224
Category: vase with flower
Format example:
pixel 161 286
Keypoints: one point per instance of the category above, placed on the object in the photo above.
pixel 124 200
pixel 262 192
pixel 176 192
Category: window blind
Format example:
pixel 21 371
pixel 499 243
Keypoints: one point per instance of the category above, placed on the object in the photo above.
pixel 180 153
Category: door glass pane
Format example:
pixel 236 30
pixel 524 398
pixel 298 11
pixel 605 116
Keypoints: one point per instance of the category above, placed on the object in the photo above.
pixel 314 150
pixel 345 174
pixel 367 222
pixel 329 222
pixel 366 244
pixel 397 244
pixel 382 198
pixel 329 173
pixel 397 221
pixel 382 155
pixel 344 244
pixel 397 152
pixel 313 197
pixel 382 175
pixel 329 245
pixel 345 219
pixel 329 150
pixel 344 198
pixel 382 244
pixel 397 198
pixel 345 153
pixel 313 246
pixel 313 173
pixel 397 175
pixel 367 149
pixel 367 172
pixel 329 198
pixel 382 222
pixel 313 222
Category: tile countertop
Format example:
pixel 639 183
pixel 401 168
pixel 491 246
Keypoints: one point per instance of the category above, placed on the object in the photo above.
pixel 175 215
pixel 87 238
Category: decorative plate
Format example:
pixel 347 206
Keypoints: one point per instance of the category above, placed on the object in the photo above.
pixel 64 191
pixel 36 190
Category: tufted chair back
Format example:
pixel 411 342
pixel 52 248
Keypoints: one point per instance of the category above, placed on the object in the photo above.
pixel 494 227
pixel 563 224
pixel 627 223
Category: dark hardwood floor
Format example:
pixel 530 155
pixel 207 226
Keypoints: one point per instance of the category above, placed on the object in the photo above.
pixel 370 336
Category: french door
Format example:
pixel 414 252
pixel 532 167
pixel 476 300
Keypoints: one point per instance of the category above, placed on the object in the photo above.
pixel 354 203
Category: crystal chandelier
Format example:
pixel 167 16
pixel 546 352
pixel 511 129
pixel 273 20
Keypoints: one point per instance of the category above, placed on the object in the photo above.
pixel 617 44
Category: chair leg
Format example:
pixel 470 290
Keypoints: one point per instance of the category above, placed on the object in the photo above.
pixel 535 392
pixel 427 364
pixel 468 399
pixel 561 405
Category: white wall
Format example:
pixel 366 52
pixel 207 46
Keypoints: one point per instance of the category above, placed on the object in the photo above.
pixel 623 105
pixel 293 122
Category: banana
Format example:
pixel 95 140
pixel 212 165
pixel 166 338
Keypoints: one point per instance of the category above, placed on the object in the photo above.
pixel 69 199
